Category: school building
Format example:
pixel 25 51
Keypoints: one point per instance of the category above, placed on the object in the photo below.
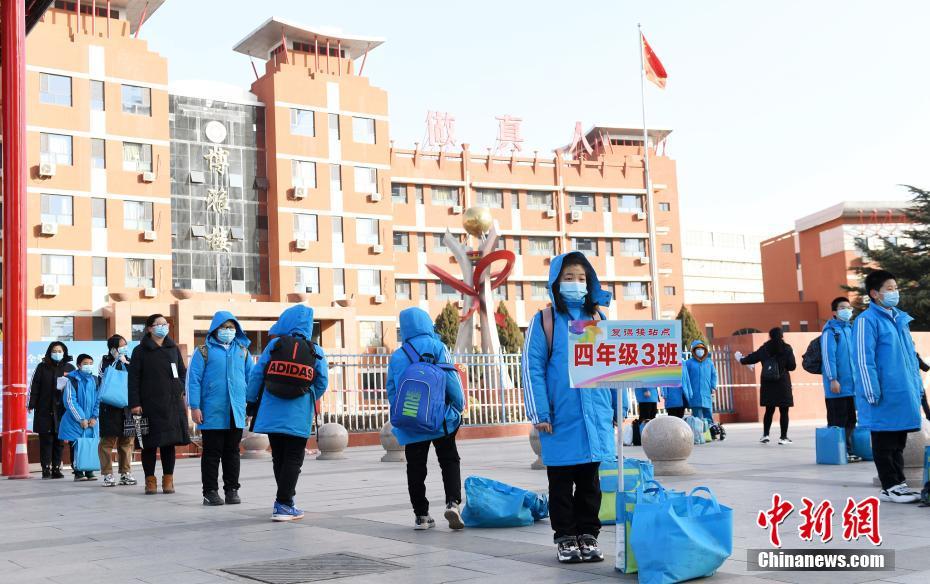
pixel 183 198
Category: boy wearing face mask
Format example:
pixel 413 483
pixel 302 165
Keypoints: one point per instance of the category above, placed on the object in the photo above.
pixel 702 378
pixel 837 371
pixel 81 408
pixel 45 405
pixel 216 384
pixel 113 421
pixel 888 378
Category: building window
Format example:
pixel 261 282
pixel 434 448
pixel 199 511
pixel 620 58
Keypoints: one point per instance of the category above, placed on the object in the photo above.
pixel 137 216
pixel 786 326
pixel 339 285
pixel 98 153
pixel 140 273
pixel 581 202
pixel 369 282
pixel 633 247
pixel 709 331
pixel 57 328
pixel 55 148
pixel 446 196
pixel 421 243
pixel 634 290
pixel 446 292
pixel 424 290
pixel 439 246
pixel 491 198
pixel 402 289
pixel 137 157
pixel 305 227
pixel 631 203
pixel 302 122
pixel 500 293
pixel 97 96
pixel 137 100
pixel 606 203
pixel 366 180
pixel 665 207
pixel 55 89
pixel 337 230
pixel 369 333
pixel 609 248
pixel 667 248
pixel 99 271
pixel 303 173
pixel 308 280
pixel 538 291
pixel 98 208
pixel 517 245
pixel 518 290
pixel 58 209
pixel 335 178
pixel 401 242
pixel 367 231
pixel 363 130
pixel 399 193
pixel 538 200
pixel 586 245
pixel 669 290
pixel 542 246
pixel 58 269
pixel 418 194
pixel 804 326
pixel 514 200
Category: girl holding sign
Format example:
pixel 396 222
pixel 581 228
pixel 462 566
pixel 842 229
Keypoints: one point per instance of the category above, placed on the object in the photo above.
pixel 575 425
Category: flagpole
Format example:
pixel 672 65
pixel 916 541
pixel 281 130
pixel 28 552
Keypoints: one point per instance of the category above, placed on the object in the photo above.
pixel 650 204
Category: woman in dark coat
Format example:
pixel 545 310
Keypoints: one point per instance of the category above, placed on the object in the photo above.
pixel 156 391
pixel 45 404
pixel 113 422
pixel 777 358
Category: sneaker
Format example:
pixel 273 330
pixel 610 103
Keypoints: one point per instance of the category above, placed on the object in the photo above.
pixel 784 441
pixel 79 476
pixel 232 497
pixel 127 479
pixel 907 489
pixel 898 495
pixel 764 439
pixel 212 499
pixel 56 473
pixel 109 481
pixel 282 512
pixel 590 550
pixel 568 550
pixel 46 473
pixel 454 516
pixel 853 458
pixel 424 522
pixel 90 476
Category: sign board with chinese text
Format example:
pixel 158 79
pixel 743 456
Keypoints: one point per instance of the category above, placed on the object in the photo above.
pixel 624 353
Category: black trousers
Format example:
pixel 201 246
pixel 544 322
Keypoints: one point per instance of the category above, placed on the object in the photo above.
pixel 782 420
pixel 574 499
pixel 924 405
pixel 448 455
pixel 888 452
pixel 648 410
pixel 287 454
pixel 841 412
pixel 167 460
pixel 50 448
pixel 677 412
pixel 220 445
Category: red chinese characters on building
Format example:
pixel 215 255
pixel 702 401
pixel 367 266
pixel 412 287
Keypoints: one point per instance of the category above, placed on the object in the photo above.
pixel 817 520
pixel 584 355
pixel 861 520
pixel 773 517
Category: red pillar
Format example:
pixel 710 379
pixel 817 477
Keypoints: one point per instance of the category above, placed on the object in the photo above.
pixel 13 86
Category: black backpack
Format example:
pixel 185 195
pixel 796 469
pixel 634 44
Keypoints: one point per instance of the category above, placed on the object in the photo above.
pixel 290 371
pixel 771 371
pixel 812 360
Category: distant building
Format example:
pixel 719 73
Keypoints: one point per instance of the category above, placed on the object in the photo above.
pixel 721 267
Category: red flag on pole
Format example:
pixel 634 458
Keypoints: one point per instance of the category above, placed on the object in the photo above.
pixel 284 45
pixel 655 72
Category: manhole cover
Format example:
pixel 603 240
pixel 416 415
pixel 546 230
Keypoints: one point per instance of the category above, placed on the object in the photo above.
pixel 312 568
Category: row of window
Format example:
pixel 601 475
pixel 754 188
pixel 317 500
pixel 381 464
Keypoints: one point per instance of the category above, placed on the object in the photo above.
pixel 303 174
pixel 137 215
pixel 367 231
pixel 59 269
pixel 308 280
pixel 540 246
pixel 56 90
pixel 59 149
pixel 303 123
pixel 537 291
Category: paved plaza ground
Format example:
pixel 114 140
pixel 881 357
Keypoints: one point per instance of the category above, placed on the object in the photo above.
pixel 60 531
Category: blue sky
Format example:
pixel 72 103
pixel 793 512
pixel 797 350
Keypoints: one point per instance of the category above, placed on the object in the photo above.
pixel 777 109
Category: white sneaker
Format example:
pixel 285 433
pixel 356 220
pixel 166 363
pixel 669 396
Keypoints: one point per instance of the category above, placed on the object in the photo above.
pixel 784 441
pixel 906 489
pixel 454 517
pixel 127 479
pixel 764 439
pixel 898 494
pixel 424 522
pixel 109 481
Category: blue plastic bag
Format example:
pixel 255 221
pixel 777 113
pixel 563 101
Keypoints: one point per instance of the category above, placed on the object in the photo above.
pixel 831 445
pixel 489 503
pixel 697 428
pixel 635 472
pixel 646 492
pixel 862 443
pixel 114 387
pixel 86 458
pixel 681 538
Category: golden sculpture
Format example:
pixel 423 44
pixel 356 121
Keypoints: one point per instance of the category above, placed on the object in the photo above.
pixel 477 221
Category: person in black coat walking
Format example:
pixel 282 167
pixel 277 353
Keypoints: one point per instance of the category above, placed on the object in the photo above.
pixel 156 391
pixel 113 421
pixel 777 358
pixel 45 404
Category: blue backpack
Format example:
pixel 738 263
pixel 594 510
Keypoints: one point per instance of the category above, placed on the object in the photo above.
pixel 420 402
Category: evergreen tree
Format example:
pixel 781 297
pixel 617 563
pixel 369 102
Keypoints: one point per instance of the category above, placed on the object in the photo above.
pixel 447 325
pixel 690 331
pixel 510 335
pixel 907 257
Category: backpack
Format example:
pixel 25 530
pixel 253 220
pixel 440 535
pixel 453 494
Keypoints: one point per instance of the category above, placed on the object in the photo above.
pixel 812 360
pixel 717 432
pixel 290 371
pixel 420 402
pixel 205 353
pixel 547 317
pixel 771 371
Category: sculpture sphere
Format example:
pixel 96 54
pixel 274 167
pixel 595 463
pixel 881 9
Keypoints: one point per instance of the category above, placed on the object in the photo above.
pixel 477 221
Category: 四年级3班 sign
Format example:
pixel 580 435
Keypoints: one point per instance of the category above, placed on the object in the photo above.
pixel 611 353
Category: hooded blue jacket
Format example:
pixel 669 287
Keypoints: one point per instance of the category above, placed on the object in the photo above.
pixel 836 351
pixel 678 397
pixel 582 419
pixel 702 379
pixel 219 387
pixel 416 328
pixel 276 415
pixel 886 371
pixel 80 401
pixel 641 395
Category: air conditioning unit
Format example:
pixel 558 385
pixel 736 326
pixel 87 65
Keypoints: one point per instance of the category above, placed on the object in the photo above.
pixel 380 299
pixel 374 197
pixel 645 303
pixel 50 289
pixel 641 216
pixel 311 289
pixel 300 193
pixel 302 244
pixel 148 177
pixel 575 216
pixel 377 248
pixel 150 235
pixel 49 229
pixel 47 169
pixel 150 292
pixel 456 209
pixel 644 260
pixel 550 213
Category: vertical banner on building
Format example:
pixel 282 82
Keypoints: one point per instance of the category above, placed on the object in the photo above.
pixel 624 354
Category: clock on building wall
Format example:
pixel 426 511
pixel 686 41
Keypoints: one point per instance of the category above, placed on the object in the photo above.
pixel 215 132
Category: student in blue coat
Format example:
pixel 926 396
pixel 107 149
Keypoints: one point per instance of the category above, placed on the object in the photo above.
pixel 82 409
pixel 888 377
pixel 288 420
pixel 575 425
pixel 839 387
pixel 216 381
pixel 647 399
pixel 676 398
pixel 702 377
pixel 416 330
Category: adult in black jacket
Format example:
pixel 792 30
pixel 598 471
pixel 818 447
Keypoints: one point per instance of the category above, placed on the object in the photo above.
pixel 113 422
pixel 46 407
pixel 923 396
pixel 156 390
pixel 775 390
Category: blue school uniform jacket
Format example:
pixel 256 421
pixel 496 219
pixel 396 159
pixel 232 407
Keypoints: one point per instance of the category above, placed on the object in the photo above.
pixel 836 351
pixel 702 379
pixel 641 395
pixel 677 397
pixel 80 400
pixel 217 387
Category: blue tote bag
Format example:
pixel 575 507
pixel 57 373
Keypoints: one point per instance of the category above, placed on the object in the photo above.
pixel 489 503
pixel 114 387
pixel 646 492
pixel 681 538
pixel 86 458
pixel 635 472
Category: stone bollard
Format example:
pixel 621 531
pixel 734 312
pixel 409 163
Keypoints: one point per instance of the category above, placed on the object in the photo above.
pixel 914 457
pixel 394 452
pixel 537 450
pixel 255 445
pixel 668 442
pixel 332 439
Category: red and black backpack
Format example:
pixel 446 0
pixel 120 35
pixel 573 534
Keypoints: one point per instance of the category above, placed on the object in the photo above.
pixel 290 371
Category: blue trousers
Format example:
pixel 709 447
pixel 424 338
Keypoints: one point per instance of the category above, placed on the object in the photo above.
pixel 703 413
